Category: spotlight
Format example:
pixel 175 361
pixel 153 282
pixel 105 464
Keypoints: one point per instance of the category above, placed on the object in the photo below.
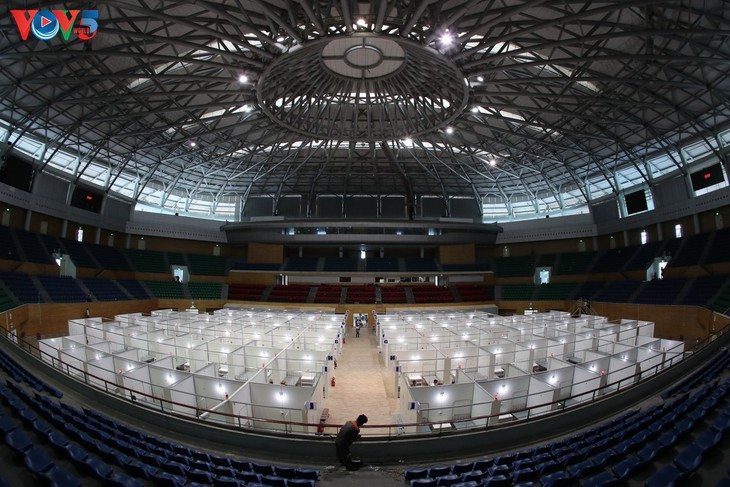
pixel 243 79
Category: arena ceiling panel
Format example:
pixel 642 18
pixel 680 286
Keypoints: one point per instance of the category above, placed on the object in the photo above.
pixel 195 106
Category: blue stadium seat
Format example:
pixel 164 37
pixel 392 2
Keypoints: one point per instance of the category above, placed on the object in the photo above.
pixel 469 483
pixel 424 483
pixel 121 479
pixel 474 475
pixel 37 461
pixel 19 441
pixel 461 468
pixel 448 480
pixel 415 473
pixel 667 476
pixel 58 476
pixel 286 472
pixel 439 471
pixel 101 470
pixel 497 481
pixel 603 479
pixel 689 459
pixel 625 468
pixel 273 480
pixel 224 481
pixel 166 479
pixel 142 470
pixel 556 479
pixel 300 483
pixel 307 473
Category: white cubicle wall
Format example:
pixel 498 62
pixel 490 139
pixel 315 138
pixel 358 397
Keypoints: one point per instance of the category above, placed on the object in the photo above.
pixel 279 404
pixel 183 397
pixel 138 379
pixel 580 354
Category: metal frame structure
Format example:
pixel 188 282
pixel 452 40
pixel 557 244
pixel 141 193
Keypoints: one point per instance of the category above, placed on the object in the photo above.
pixel 194 106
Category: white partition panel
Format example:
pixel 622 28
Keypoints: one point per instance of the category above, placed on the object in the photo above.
pixel 619 370
pixel 241 405
pixel 481 405
pixel 540 395
pixel 51 350
pixel 75 359
pixel 183 398
pixel 279 404
pixel 102 373
pixel 650 361
pixel 585 381
pixel 138 380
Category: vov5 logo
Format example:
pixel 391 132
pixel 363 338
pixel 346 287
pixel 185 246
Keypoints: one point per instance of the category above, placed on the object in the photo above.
pixel 45 24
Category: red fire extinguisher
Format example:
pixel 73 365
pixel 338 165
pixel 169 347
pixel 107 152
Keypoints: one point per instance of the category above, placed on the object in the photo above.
pixel 343 340
pixel 332 382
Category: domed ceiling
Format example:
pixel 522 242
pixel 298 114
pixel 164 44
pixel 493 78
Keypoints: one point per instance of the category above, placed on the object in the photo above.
pixel 197 106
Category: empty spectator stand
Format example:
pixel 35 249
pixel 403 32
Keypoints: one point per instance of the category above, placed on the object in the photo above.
pixel 432 294
pixel 476 267
pixel 614 260
pixel 522 266
pixel 618 292
pixel 78 253
pixel 104 289
pixel 22 286
pixel 291 293
pixel 328 294
pixel 702 289
pixel 574 263
pixel 588 290
pixel 6 301
pixel 474 292
pixel 166 289
pixel 50 242
pixel 205 290
pixel 546 260
pixel 393 294
pixel 150 261
pixel 109 257
pixel 644 257
pixel 135 288
pixel 177 258
pixel 360 294
pixel 253 266
pixel 721 302
pixel 32 247
pixel 384 265
pixel 516 292
pixel 246 292
pixel 63 289
pixel 720 248
pixel 690 251
pixel 665 291
pixel 7 245
pixel 207 265
pixel 555 291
